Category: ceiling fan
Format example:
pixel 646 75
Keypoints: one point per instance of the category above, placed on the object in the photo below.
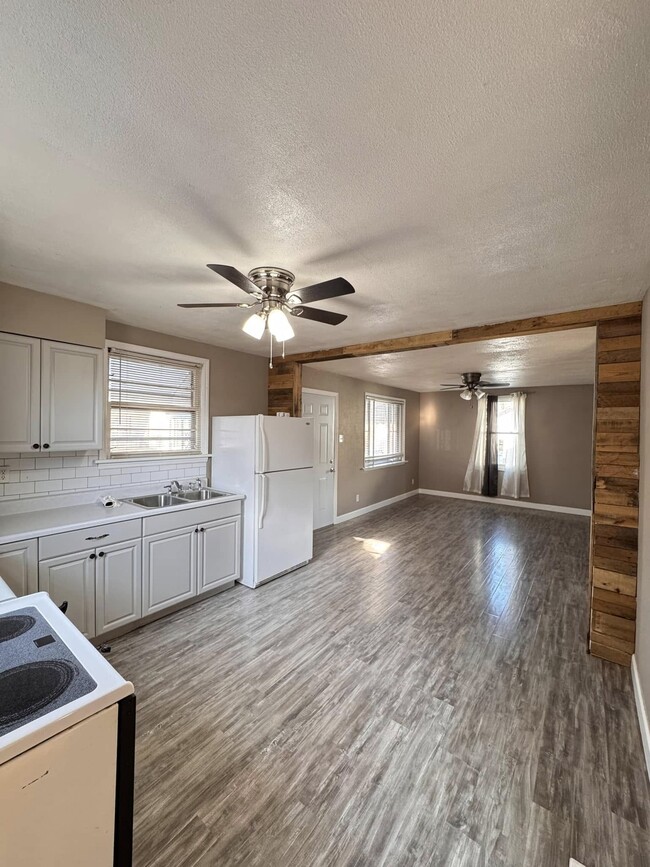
pixel 473 386
pixel 273 299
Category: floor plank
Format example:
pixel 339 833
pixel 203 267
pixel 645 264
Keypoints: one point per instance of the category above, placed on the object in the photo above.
pixel 419 694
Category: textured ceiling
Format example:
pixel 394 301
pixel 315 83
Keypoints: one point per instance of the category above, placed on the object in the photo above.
pixel 561 358
pixel 459 162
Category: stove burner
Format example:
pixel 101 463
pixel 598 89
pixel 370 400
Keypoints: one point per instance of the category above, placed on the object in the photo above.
pixel 14 625
pixel 28 688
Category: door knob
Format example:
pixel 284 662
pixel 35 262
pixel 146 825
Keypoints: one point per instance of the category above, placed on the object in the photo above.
pixel 331 469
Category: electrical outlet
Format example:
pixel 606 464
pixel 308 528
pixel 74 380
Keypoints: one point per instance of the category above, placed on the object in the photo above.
pixel 3 474
pixel 357 498
pixel 412 481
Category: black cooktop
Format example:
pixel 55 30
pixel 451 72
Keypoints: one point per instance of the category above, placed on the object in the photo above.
pixel 38 672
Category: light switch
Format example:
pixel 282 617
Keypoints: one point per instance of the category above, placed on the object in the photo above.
pixel 340 438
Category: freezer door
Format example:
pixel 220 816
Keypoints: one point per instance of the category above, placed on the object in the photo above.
pixel 283 444
pixel 284 522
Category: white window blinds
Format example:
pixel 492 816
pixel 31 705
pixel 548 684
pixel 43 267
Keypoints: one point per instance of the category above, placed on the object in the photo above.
pixel 154 404
pixel 383 431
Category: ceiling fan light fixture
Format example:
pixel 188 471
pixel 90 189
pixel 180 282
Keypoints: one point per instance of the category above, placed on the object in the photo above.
pixel 479 393
pixel 466 394
pixel 279 325
pixel 254 326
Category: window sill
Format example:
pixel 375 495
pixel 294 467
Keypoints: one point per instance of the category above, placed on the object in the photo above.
pixel 384 466
pixel 160 459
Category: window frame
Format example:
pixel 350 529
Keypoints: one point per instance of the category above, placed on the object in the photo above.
pixel 501 465
pixel 386 398
pixel 204 405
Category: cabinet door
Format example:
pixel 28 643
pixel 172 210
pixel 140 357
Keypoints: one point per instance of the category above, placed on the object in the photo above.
pixel 219 553
pixel 19 566
pixel 118 585
pixel 71 578
pixel 72 391
pixel 169 569
pixel 20 390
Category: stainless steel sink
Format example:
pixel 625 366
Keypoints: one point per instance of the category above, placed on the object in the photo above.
pixel 157 501
pixel 203 494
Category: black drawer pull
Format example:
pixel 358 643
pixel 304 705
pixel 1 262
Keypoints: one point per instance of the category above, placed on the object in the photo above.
pixel 101 554
pixel 92 538
pixel 92 556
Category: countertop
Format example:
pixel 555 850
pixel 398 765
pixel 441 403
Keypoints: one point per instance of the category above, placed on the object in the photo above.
pixel 46 522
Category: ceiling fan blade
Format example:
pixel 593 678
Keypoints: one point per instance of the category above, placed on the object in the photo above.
pixel 318 315
pixel 494 384
pixel 321 291
pixel 216 305
pixel 447 385
pixel 234 276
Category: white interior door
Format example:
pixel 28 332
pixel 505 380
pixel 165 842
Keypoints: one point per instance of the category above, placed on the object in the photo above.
pixel 321 409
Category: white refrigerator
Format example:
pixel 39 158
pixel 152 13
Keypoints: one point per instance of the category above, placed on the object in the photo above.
pixel 269 459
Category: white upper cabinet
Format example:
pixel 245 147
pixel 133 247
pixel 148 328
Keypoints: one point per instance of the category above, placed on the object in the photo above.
pixel 71 396
pixel 20 393
pixel 51 395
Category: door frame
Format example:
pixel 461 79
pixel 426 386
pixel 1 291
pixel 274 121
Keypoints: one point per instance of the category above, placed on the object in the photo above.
pixel 335 395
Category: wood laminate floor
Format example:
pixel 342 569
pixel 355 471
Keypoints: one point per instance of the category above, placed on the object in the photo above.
pixel 420 694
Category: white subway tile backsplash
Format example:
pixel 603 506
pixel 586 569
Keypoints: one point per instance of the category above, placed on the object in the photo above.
pixel 65 473
pixel 86 472
pixel 74 484
pixel 46 487
pixel 19 488
pixel 39 475
pixel 75 462
pixel 50 462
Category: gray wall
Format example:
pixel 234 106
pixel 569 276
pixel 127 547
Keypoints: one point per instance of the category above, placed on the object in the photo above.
pixel 642 652
pixel 373 486
pixel 36 314
pixel 559 426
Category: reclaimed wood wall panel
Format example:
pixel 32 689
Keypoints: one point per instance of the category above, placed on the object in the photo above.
pixel 285 388
pixel 616 489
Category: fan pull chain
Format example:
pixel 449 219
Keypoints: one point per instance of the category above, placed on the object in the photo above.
pixel 270 351
pixel 283 348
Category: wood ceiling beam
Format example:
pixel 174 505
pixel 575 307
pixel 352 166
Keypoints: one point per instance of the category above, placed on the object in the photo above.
pixel 515 328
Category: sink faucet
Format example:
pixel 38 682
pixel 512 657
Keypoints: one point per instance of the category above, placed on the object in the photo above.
pixel 176 487
pixel 196 485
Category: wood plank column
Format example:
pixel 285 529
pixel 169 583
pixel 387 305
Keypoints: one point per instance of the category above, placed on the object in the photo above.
pixel 285 388
pixel 616 490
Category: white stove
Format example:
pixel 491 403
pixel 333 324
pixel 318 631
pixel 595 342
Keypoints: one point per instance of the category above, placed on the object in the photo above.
pixel 44 656
pixel 67 736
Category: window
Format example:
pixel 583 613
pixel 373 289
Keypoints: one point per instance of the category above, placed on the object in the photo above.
pixel 157 403
pixel 506 428
pixel 383 431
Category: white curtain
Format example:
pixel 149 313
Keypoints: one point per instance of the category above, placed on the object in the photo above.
pixel 515 474
pixel 476 467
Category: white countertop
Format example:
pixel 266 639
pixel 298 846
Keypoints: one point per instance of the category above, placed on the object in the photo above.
pixel 45 522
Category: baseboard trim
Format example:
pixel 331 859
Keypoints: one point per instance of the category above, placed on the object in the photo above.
pixel 642 714
pixel 348 516
pixel 520 504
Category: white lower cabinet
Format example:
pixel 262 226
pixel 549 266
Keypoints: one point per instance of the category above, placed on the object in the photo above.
pixel 71 578
pixel 118 583
pixel 219 553
pixel 19 566
pixel 169 568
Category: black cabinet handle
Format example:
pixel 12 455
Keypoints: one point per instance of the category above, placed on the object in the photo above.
pixel 92 556
pixel 196 529
pixel 35 446
pixel 202 529
pixel 101 554
pixel 46 445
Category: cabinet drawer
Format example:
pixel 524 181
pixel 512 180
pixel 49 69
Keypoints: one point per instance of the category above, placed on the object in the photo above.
pixel 190 517
pixel 91 537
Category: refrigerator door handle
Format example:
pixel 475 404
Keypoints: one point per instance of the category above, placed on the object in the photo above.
pixel 262 508
pixel 262 445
